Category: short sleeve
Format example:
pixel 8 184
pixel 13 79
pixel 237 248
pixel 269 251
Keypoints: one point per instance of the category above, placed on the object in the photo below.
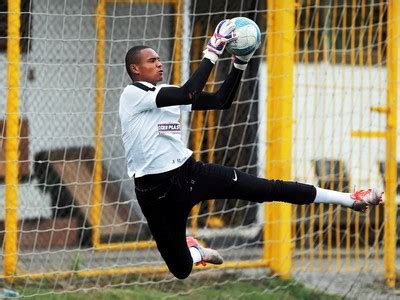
pixel 187 107
pixel 135 100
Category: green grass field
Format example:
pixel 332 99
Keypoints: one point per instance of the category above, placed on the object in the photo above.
pixel 229 288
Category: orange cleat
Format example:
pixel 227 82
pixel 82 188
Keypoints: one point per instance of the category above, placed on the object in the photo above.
pixel 208 255
pixel 365 198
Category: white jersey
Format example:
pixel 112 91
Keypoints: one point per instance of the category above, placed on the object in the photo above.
pixel 151 135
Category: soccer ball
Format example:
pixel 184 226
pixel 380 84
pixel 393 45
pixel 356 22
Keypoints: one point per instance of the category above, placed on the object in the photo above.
pixel 248 37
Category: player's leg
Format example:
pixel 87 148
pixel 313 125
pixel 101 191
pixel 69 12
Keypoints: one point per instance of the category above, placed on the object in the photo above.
pixel 359 200
pixel 166 208
pixel 216 181
pixel 167 223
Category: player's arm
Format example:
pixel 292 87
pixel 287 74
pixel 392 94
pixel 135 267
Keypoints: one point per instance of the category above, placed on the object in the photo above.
pixel 223 98
pixel 170 96
pixel 191 92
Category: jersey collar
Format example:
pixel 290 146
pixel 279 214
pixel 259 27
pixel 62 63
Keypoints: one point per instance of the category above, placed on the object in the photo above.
pixel 148 84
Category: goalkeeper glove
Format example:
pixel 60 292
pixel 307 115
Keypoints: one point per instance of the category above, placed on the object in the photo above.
pixel 223 34
pixel 240 62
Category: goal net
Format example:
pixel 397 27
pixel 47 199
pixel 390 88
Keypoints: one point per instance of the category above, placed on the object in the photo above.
pixel 78 222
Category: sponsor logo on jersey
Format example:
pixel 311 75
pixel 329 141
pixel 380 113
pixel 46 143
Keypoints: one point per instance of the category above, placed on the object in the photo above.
pixel 168 128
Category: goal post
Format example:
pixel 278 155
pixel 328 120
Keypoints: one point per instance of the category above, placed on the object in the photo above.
pixel 280 33
pixel 12 141
pixel 391 141
pixel 95 211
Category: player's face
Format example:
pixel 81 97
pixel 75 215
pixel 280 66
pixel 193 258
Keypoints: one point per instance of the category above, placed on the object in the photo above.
pixel 149 67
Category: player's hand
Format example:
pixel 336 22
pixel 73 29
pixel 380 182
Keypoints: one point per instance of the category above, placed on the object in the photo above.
pixel 223 34
pixel 240 62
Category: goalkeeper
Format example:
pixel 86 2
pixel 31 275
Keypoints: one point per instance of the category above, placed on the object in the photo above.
pixel 168 180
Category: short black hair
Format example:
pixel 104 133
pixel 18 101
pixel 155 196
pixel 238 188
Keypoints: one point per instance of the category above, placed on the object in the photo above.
pixel 132 57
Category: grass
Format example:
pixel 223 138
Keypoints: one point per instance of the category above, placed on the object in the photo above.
pixel 226 288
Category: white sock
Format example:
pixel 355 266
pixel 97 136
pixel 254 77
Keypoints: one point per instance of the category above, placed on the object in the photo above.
pixel 333 197
pixel 196 256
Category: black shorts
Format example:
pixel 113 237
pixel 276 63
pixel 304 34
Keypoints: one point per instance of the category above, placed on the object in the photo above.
pixel 166 200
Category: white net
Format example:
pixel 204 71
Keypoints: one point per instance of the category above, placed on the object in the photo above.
pixel 66 245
